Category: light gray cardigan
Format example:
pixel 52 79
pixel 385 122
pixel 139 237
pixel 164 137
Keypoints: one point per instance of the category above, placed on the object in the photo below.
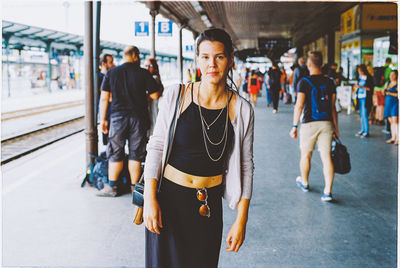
pixel 239 173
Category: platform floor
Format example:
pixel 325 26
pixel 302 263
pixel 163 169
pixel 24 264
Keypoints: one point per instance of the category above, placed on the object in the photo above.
pixel 48 220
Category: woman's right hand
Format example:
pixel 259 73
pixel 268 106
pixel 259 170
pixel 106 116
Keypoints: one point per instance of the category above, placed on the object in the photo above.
pixel 152 215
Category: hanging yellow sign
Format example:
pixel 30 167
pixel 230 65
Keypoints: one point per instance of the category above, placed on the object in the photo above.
pixel 350 20
pixel 379 16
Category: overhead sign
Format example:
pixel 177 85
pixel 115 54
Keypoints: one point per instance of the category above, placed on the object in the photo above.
pixel 165 28
pixel 350 20
pixel 141 28
pixel 281 43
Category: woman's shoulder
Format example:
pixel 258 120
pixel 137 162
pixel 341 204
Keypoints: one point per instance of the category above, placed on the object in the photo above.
pixel 245 105
pixel 172 91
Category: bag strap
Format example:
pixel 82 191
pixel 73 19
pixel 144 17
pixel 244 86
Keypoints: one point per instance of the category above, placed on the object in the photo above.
pixel 172 131
pixel 308 81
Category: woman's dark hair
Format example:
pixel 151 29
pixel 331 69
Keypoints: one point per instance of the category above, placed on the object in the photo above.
pixel 364 69
pixel 216 34
pixel 219 35
pixel 153 62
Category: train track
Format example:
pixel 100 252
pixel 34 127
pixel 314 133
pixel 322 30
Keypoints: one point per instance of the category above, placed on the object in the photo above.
pixel 25 143
pixel 39 110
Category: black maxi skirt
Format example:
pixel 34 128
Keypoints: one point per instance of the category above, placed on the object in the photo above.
pixel 187 239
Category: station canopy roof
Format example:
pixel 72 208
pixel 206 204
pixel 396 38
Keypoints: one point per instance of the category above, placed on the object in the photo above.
pixel 25 36
pixel 252 22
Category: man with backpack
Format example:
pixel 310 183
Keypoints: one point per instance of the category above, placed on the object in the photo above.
pixel 299 72
pixel 317 96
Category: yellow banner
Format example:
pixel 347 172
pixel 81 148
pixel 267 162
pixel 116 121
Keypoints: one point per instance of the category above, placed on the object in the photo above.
pixel 379 16
pixel 350 20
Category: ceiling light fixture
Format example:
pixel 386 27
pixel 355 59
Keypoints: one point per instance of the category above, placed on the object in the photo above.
pixel 196 5
pixel 206 21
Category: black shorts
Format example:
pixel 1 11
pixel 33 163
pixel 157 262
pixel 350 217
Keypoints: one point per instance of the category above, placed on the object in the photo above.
pixel 129 128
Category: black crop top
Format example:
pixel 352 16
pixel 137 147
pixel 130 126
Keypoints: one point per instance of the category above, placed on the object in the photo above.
pixel 188 153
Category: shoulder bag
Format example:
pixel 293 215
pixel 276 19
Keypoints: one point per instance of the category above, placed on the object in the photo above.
pixel 137 195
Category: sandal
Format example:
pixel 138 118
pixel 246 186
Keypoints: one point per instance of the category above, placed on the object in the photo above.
pixel 389 141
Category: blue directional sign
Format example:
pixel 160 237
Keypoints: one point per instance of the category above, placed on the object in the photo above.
pixel 189 48
pixel 165 28
pixel 141 28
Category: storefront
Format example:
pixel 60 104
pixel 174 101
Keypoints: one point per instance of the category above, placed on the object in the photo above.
pixel 360 26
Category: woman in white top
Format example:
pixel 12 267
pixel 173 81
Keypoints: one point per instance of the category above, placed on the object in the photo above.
pixel 211 155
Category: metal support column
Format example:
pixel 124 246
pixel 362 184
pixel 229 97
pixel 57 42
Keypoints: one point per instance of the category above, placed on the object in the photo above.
pixel 90 130
pixel 331 47
pixel 180 58
pixel 194 65
pixel 6 43
pixel 49 75
pixel 96 69
pixel 154 8
pixel 153 14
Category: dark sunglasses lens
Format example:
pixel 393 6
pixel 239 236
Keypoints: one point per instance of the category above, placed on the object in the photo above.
pixel 202 195
pixel 204 211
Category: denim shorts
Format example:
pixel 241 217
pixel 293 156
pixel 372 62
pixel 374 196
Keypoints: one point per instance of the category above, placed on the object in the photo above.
pixel 129 128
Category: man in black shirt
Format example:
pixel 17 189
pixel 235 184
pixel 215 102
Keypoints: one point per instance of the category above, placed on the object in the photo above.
pixel 317 95
pixel 106 63
pixel 130 86
pixel 299 72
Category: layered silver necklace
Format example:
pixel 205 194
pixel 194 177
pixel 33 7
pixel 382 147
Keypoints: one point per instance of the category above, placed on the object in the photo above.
pixel 205 127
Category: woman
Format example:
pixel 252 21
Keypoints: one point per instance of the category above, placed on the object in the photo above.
pixel 246 84
pixel 151 65
pixel 392 107
pixel 365 90
pixel 211 156
pixel 253 87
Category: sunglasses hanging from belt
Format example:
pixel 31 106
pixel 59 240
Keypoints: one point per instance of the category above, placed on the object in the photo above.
pixel 202 196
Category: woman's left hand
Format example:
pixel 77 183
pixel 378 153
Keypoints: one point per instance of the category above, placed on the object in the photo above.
pixel 236 236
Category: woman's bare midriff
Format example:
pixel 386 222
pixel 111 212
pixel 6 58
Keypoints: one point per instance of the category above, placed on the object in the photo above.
pixel 191 181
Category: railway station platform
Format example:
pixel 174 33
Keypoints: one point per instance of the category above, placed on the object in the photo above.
pixel 49 221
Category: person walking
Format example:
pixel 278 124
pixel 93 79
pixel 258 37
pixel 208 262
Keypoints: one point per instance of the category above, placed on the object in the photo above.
pixel 269 97
pixel 365 90
pixel 316 99
pixel 130 86
pixel 253 87
pixel 151 65
pixel 299 72
pixel 274 85
pixel 392 107
pixel 211 156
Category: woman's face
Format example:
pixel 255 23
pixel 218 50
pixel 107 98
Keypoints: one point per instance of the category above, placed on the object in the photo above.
pixel 360 71
pixel 149 66
pixel 393 77
pixel 213 62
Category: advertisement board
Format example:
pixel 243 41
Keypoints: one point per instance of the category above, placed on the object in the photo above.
pixel 350 20
pixel 379 16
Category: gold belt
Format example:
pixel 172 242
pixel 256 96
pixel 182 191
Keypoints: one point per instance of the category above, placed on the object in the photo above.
pixel 189 180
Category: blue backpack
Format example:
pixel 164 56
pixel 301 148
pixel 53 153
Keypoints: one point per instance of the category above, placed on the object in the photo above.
pixel 97 174
pixel 320 102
